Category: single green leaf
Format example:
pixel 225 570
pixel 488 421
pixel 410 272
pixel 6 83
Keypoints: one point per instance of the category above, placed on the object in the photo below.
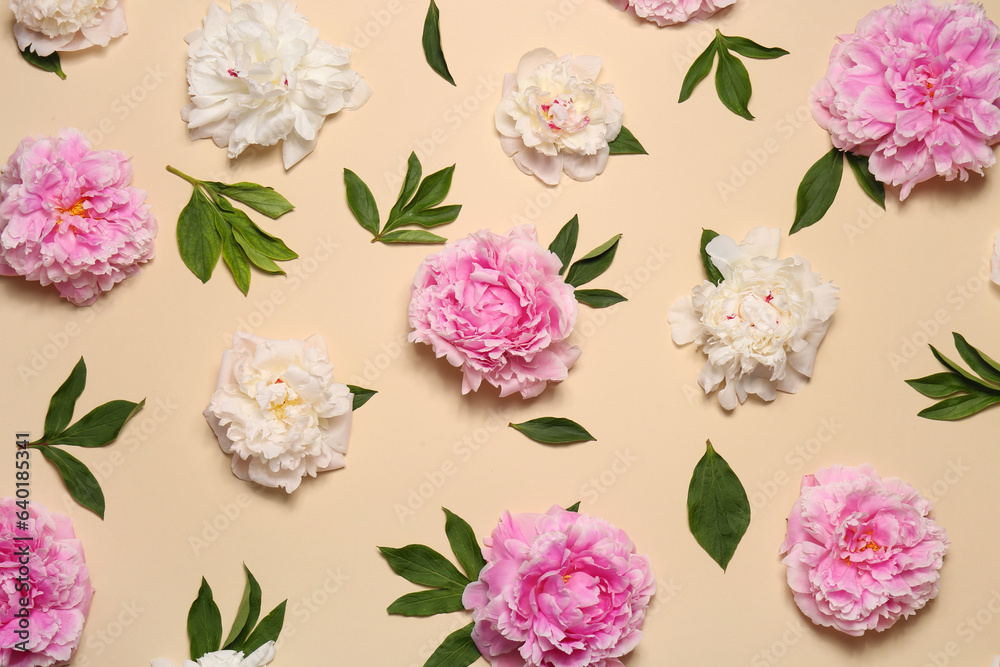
pixel 818 189
pixel 626 144
pixel 948 363
pixel 361 395
pixel 718 509
pixel 432 190
pixel 978 362
pixel 234 256
pixel 258 197
pixel 575 507
pixel 266 631
pixel 422 565
pixel 958 407
pixel 872 187
pixel 940 385
pixel 361 201
pixel 699 70
pixel 63 402
pixel 411 236
pixel 751 49
pixel 732 83
pixel 269 246
pixel 427 603
pixel 247 613
pixel 594 263
pixel 80 482
pixel 261 261
pixel 410 183
pixel 432 44
pixel 204 623
pixel 711 270
pixel 564 244
pixel 553 430
pixel 598 298
pixel 197 237
pixel 457 650
pixel 100 426
pixel 49 63
pixel 464 544
pixel 430 217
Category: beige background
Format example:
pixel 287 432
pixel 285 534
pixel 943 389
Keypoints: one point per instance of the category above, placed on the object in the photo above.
pixel 919 267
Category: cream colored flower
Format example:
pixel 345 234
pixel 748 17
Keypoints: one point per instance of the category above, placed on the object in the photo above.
pixel 259 658
pixel 66 25
pixel 761 326
pixel 554 118
pixel 261 75
pixel 278 411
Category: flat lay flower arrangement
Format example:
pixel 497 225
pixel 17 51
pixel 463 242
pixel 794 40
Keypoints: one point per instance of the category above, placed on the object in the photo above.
pixel 728 396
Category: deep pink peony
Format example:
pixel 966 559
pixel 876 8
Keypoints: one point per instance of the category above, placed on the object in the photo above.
pixel 917 88
pixel 60 589
pixel 559 589
pixel 69 217
pixel 496 307
pixel 671 12
pixel 861 551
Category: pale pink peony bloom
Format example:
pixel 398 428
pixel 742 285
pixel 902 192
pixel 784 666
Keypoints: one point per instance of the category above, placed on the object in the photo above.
pixel 559 589
pixel 496 307
pixel 917 88
pixel 68 217
pixel 861 551
pixel 554 117
pixel 59 590
pixel 259 658
pixel 671 12
pixel 66 25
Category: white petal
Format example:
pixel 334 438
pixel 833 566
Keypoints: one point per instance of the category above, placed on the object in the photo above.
pixel 587 67
pixel 531 61
pixel 295 148
pixel 685 322
pixel 762 242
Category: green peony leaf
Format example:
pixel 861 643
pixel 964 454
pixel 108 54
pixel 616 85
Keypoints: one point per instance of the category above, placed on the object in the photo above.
pixel 594 263
pixel 63 402
pixel 432 190
pixel 361 395
pixel 598 298
pixel 361 202
pixel 198 237
pixel 247 613
pixel 718 509
pixel 100 426
pixel 49 63
pixel 422 565
pixel 699 70
pixel 457 650
pixel 711 270
pixel 564 244
pixel 410 183
pixel 872 187
pixel 266 631
pixel 977 361
pixel 234 256
pixel 432 44
pixel 818 189
pixel 411 236
pixel 626 144
pixel 554 431
pixel 464 544
pixel 204 623
pixel 427 603
pixel 940 385
pixel 575 507
pixel 751 49
pixel 732 83
pixel 80 482
pixel 258 197
pixel 958 407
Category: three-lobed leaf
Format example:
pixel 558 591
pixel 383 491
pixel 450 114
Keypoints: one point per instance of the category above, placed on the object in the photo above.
pixel 598 298
pixel 361 395
pixel 818 189
pixel 457 650
pixel 594 263
pixel 626 144
pixel 204 623
pixel 422 565
pixel 100 426
pixel 553 431
pixel 564 244
pixel 464 544
pixel 711 270
pixel 432 43
pixel 80 482
pixel 49 63
pixel 718 509
pixel 63 401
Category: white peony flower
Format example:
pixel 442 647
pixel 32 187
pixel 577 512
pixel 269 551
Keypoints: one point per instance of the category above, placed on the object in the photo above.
pixel 278 411
pixel 761 326
pixel 66 25
pixel 261 75
pixel 995 261
pixel 258 658
pixel 554 118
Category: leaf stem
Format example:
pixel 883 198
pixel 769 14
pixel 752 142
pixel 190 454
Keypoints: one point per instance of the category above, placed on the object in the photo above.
pixel 177 172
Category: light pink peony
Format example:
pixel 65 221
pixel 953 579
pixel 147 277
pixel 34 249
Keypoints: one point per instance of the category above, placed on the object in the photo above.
pixel 671 12
pixel 917 88
pixel 861 551
pixel 59 587
pixel 559 589
pixel 69 217
pixel 66 25
pixel 497 307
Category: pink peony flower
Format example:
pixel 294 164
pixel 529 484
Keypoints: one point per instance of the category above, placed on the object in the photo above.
pixel 559 589
pixel 861 551
pixel 497 307
pixel 917 88
pixel 69 217
pixel 671 12
pixel 67 25
pixel 59 587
